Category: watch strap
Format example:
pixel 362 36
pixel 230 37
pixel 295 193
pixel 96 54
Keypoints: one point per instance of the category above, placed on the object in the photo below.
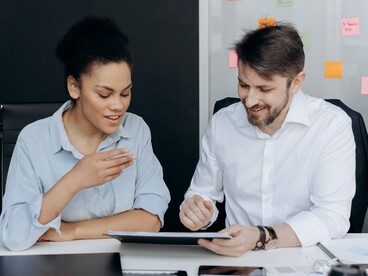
pixel 262 238
pixel 272 240
pixel 272 232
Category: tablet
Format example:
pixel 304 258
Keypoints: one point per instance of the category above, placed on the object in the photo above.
pixel 91 264
pixel 134 272
pixel 211 270
pixel 187 238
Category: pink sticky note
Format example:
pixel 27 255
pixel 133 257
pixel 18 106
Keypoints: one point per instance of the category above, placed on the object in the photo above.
pixel 233 59
pixel 350 26
pixel 364 85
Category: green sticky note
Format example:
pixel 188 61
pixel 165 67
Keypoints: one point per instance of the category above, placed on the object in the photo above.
pixel 284 3
pixel 306 39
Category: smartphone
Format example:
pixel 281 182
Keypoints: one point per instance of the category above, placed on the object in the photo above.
pixel 231 270
pixel 134 272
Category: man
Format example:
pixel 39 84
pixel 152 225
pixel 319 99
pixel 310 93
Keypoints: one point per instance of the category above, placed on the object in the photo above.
pixel 285 161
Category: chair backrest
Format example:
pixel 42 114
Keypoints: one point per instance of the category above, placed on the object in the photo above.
pixel 15 116
pixel 360 200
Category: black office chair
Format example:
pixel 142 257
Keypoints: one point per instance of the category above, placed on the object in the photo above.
pixel 15 116
pixel 360 200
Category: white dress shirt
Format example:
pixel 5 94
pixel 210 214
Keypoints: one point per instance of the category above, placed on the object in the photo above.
pixel 43 154
pixel 303 175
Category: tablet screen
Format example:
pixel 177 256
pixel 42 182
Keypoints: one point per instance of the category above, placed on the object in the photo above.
pixel 231 270
pixel 133 272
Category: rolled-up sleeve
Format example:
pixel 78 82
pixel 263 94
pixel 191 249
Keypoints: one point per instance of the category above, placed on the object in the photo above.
pixel 332 190
pixel 20 227
pixel 151 192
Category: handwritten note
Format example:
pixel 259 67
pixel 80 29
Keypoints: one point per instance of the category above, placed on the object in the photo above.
pixel 364 90
pixel 350 26
pixel 333 69
pixel 266 22
pixel 284 3
pixel 233 59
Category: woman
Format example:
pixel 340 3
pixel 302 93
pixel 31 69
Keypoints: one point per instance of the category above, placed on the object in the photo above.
pixel 90 167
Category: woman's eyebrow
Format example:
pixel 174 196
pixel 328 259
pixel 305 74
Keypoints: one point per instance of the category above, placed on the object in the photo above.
pixel 111 89
pixel 129 86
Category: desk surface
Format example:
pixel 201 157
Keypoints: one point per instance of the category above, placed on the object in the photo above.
pixel 178 257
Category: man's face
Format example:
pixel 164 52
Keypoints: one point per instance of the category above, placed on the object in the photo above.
pixel 266 101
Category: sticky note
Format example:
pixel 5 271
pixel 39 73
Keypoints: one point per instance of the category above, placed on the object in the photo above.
pixel 333 69
pixel 306 39
pixel 233 59
pixel 364 86
pixel 350 26
pixel 265 22
pixel 284 3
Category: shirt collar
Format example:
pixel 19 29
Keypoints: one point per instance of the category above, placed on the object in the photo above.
pixel 60 140
pixel 298 111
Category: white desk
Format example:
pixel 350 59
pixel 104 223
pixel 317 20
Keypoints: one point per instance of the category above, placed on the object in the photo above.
pixel 175 257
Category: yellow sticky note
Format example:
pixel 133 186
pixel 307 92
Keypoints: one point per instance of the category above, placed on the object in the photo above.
pixel 333 69
pixel 266 22
pixel 233 59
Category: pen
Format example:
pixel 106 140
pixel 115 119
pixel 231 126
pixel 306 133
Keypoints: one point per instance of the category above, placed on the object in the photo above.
pixel 119 155
pixel 328 252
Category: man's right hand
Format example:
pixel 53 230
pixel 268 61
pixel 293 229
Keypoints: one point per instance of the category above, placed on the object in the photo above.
pixel 196 212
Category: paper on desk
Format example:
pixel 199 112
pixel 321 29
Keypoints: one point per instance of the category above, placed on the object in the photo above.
pixel 349 251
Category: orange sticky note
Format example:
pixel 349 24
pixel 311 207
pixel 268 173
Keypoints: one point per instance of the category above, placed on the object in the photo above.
pixel 350 26
pixel 364 86
pixel 266 22
pixel 333 69
pixel 233 59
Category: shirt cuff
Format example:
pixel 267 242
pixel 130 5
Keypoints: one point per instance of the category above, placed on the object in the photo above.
pixel 35 209
pixel 153 204
pixel 308 228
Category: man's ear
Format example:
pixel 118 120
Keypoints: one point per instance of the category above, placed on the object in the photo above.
pixel 297 82
pixel 73 87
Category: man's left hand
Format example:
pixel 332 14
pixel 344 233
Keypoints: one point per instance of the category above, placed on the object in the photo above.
pixel 243 239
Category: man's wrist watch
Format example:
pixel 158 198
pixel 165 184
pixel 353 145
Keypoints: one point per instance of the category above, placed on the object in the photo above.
pixel 272 241
pixel 262 238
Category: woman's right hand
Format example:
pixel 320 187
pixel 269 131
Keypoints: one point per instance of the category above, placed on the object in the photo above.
pixel 98 168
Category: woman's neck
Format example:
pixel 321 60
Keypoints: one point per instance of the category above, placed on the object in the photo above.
pixel 85 140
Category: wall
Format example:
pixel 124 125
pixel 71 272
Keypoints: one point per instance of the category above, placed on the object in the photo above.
pixel 164 41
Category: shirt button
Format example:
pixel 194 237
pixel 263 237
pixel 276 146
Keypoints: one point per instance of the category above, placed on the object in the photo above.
pixel 95 190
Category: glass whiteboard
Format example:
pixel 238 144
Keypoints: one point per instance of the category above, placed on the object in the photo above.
pixel 320 23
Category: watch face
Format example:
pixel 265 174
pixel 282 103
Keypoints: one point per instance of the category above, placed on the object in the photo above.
pixel 271 244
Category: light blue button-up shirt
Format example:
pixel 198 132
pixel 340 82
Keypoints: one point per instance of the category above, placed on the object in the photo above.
pixel 43 154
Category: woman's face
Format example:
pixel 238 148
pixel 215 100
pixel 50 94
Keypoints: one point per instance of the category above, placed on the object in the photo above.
pixel 102 97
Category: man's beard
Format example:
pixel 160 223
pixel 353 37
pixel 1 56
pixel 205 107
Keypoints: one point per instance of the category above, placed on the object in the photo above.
pixel 270 116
